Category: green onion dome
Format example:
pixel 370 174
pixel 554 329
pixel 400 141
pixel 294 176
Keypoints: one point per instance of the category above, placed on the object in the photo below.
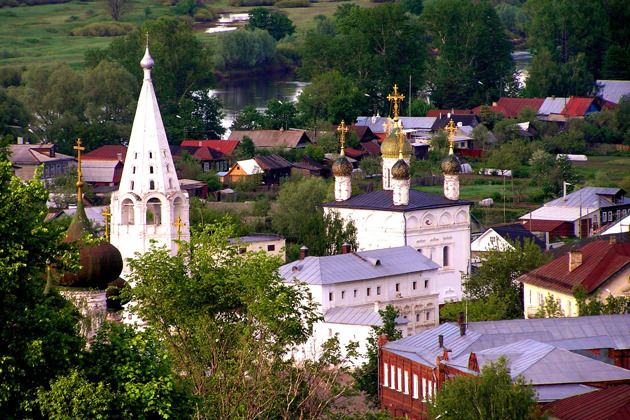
pixel 342 167
pixel 451 165
pixel 401 171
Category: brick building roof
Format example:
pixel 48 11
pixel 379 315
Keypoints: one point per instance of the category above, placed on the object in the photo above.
pixel 606 404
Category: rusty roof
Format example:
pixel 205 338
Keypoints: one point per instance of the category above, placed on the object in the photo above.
pixel 443 112
pixel 513 106
pixel 577 107
pixel 601 260
pixel 606 404
pixel 494 108
pixel 371 147
pixel 223 146
pixel 107 152
pixel 542 225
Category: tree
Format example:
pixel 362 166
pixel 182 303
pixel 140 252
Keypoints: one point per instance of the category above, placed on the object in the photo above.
pixel 280 115
pixel 498 273
pixel 372 165
pixel 550 308
pixel 491 395
pixel 366 375
pixel 64 189
pixel 13 115
pixel 594 305
pixel 117 8
pixel 245 149
pixel 229 324
pixel 277 24
pixel 188 166
pixel 474 53
pixel 248 119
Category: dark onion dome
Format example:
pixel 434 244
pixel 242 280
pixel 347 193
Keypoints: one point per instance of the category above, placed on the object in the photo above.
pixel 401 170
pixel 451 165
pixel 390 146
pixel 342 166
pixel 101 263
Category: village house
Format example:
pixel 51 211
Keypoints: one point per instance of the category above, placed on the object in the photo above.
pixel 26 158
pixel 497 237
pixel 270 243
pixel 103 167
pixel 270 139
pixel 560 357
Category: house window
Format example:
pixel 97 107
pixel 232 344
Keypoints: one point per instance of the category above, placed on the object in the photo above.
pixel 271 248
pixel 406 382
pixel 132 185
pixel 343 294
pixel 618 214
pixel 530 297
pixel 624 213
pixel 355 292
pixel 206 166
pixel 170 183
pixel 398 287
pixel 610 216
pixel 330 296
pixel 417 317
pixel 414 285
pixel 568 308
pixel 385 375
pixel 604 219
pixel 329 332
pixel 368 291
pixel 424 389
pixel 445 257
pixel 399 388
pixel 168 168
pixel 135 155
pixel 164 152
pixel 415 386
pixel 426 284
pixel 427 316
pixel 378 290
pixel 541 298
pixel 392 384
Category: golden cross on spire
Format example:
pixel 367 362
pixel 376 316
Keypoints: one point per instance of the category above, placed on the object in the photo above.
pixel 79 149
pixel 179 225
pixel 451 128
pixel 342 135
pixel 396 98
pixel 107 215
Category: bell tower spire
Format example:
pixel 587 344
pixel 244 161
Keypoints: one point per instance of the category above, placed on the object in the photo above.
pixel 149 199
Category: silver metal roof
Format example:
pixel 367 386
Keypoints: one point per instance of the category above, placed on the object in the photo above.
pixel 552 105
pixel 613 90
pixel 357 266
pixel 356 315
pixel 587 197
pixel 409 123
pixel 558 392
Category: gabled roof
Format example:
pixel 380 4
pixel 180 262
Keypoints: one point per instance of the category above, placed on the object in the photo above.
pixel 613 90
pixel 603 404
pixel 223 146
pixel 513 106
pixel 353 153
pixel 372 148
pixel 577 107
pixel 272 138
pixel 34 154
pixel 383 200
pixel 272 162
pixel 442 112
pixel 591 197
pixel 357 266
pixel 500 110
pixel 465 119
pixel 107 152
pixel 363 132
pixel 601 260
pixel 517 232
pixel 552 105
pixel 202 153
pixel 541 225
pixel 249 166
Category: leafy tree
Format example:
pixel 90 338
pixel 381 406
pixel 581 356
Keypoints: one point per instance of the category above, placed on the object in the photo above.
pixel 248 119
pixel 372 165
pixel 550 308
pixel 188 166
pixel 245 149
pixel 509 156
pixel 117 8
pixel 492 395
pixel 488 309
pixel 413 6
pixel 280 115
pixel 245 50
pixel 229 324
pixel 212 180
pixel 13 115
pixel 594 305
pixel 475 55
pixel 481 137
pixel 277 24
pixel 329 143
pixel 513 18
pixel 314 151
pixel 64 189
pixel 366 375
pixel 498 273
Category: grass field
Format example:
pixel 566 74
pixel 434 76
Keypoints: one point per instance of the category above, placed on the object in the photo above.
pixel 611 168
pixel 41 34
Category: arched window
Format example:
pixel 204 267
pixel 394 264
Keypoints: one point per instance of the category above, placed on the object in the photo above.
pixel 170 183
pixel 150 155
pixel 445 257
pixel 131 186
pixel 133 169
pixel 164 152
pixel 168 167
pixel 154 212
pixel 127 212
pixel 152 185
pixel 151 169
pixel 178 208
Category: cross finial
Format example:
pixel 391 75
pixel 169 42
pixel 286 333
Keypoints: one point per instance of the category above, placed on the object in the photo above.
pixel 342 135
pixel 451 128
pixel 396 98
pixel 107 215
pixel 79 149
pixel 147 39
pixel 179 225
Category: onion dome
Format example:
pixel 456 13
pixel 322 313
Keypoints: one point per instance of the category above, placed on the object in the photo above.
pixel 390 146
pixel 451 165
pixel 401 171
pixel 342 166
pixel 147 62
pixel 101 263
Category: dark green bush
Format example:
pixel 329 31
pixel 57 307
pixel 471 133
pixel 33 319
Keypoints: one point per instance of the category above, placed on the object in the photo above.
pixel 292 3
pixel 104 29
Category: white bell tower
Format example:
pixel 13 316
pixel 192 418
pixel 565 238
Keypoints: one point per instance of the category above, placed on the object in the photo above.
pixel 149 204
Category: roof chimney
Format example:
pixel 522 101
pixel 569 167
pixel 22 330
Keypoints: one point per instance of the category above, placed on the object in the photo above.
pixel 345 248
pixel 613 239
pixel 303 252
pixel 440 340
pixel 575 260
pixel 20 140
pixel 119 155
pixel 382 340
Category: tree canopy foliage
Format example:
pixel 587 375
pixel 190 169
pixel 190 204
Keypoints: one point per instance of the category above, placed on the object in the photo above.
pixel 277 24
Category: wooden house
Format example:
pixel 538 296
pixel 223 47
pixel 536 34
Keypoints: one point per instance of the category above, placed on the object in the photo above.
pixel 270 139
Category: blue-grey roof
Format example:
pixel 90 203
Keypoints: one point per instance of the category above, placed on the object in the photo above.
pixel 354 266
pixel 604 331
pixel 356 315
pixel 518 232
pixel 552 105
pixel 560 391
pixel 409 123
pixel 613 90
pixel 383 200
pixel 589 197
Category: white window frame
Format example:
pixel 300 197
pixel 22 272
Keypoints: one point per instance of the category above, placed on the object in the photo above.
pixel 399 384
pixel 392 383
pixel 416 386
pixel 424 389
pixel 385 374
pixel 406 382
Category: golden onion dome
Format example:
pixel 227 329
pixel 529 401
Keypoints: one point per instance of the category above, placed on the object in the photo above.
pixel 401 171
pixel 451 165
pixel 391 146
pixel 342 167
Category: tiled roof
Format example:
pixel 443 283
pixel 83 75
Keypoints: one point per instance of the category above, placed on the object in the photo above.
pixel 272 162
pixel 107 152
pixel 442 112
pixel 356 266
pixel 613 90
pixel 513 106
pixel 600 261
pixel 271 138
pixel 223 146
pixel 604 404
pixel 383 200
pixel 577 107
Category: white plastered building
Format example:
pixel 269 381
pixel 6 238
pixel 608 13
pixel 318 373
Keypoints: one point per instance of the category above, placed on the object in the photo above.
pixel 149 201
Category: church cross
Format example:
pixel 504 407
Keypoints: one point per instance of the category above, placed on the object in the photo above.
pixel 179 225
pixel 79 149
pixel 451 128
pixel 342 135
pixel 396 98
pixel 107 215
